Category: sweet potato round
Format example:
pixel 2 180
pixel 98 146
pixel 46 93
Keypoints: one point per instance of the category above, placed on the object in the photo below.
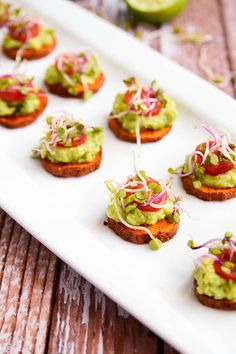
pixel 146 135
pixel 17 121
pixel 30 54
pixel 162 230
pixel 72 169
pixel 208 193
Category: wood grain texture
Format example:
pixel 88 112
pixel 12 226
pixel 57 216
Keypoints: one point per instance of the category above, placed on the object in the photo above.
pixel 27 274
pixel 86 321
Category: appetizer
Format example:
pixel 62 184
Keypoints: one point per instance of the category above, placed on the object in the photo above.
pixel 74 75
pixel 209 172
pixel 69 149
pixel 143 114
pixel 215 273
pixel 4 12
pixel 143 210
pixel 21 102
pixel 27 38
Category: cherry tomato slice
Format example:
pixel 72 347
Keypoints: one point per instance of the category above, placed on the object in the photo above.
pixel 12 96
pixel 227 276
pixel 130 186
pixel 159 200
pixel 24 31
pixel 214 170
pixel 79 140
pixel 156 109
pixel 223 257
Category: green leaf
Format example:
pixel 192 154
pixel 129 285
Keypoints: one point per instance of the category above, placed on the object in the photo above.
pixel 228 235
pixel 49 120
pixel 215 251
pixel 191 244
pixel 155 244
pixel 60 132
pixel 73 134
pixel 171 219
pixel 130 81
pixel 23 90
pixel 171 170
pixel 155 187
pixel 140 196
pixel 143 174
pixel 214 159
pixel 110 186
pixel 129 199
pixel 121 193
pixel 197 184
pixel 130 208
pixel 176 217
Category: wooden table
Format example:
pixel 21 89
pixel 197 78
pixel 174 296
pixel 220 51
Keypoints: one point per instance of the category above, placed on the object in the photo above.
pixel 44 305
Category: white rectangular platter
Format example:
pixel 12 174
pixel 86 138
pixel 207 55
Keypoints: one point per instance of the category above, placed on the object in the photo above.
pixel 67 215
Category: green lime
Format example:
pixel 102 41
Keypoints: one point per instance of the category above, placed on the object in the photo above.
pixel 156 11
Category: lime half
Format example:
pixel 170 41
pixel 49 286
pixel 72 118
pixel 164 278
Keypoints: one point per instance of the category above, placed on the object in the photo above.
pixel 156 11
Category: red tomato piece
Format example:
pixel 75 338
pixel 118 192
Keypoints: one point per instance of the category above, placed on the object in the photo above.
pixel 79 140
pixel 155 110
pixel 24 31
pixel 12 96
pixel 214 170
pixel 223 257
pixel 160 200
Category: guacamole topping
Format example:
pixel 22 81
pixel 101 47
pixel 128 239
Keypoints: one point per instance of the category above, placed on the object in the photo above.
pixel 148 105
pixel 69 141
pixel 141 200
pixel 26 32
pixel 215 272
pixel 71 70
pixel 212 163
pixel 18 95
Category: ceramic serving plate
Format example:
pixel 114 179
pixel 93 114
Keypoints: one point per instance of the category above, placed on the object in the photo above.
pixel 67 215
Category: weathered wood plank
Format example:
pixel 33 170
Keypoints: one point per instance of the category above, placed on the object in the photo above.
pixel 27 271
pixel 26 292
pixel 86 321
pixel 15 285
pixel 41 296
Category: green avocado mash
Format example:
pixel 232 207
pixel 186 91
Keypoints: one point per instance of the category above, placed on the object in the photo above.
pixel 83 153
pixel 44 39
pixel 211 284
pixel 137 217
pixel 166 117
pixel 224 180
pixel 29 105
pixel 92 71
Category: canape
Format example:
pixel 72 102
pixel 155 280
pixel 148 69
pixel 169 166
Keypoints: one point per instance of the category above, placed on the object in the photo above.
pixel 209 172
pixel 21 102
pixel 215 273
pixel 69 149
pixel 75 75
pixel 143 210
pixel 142 113
pixel 27 38
pixel 4 12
